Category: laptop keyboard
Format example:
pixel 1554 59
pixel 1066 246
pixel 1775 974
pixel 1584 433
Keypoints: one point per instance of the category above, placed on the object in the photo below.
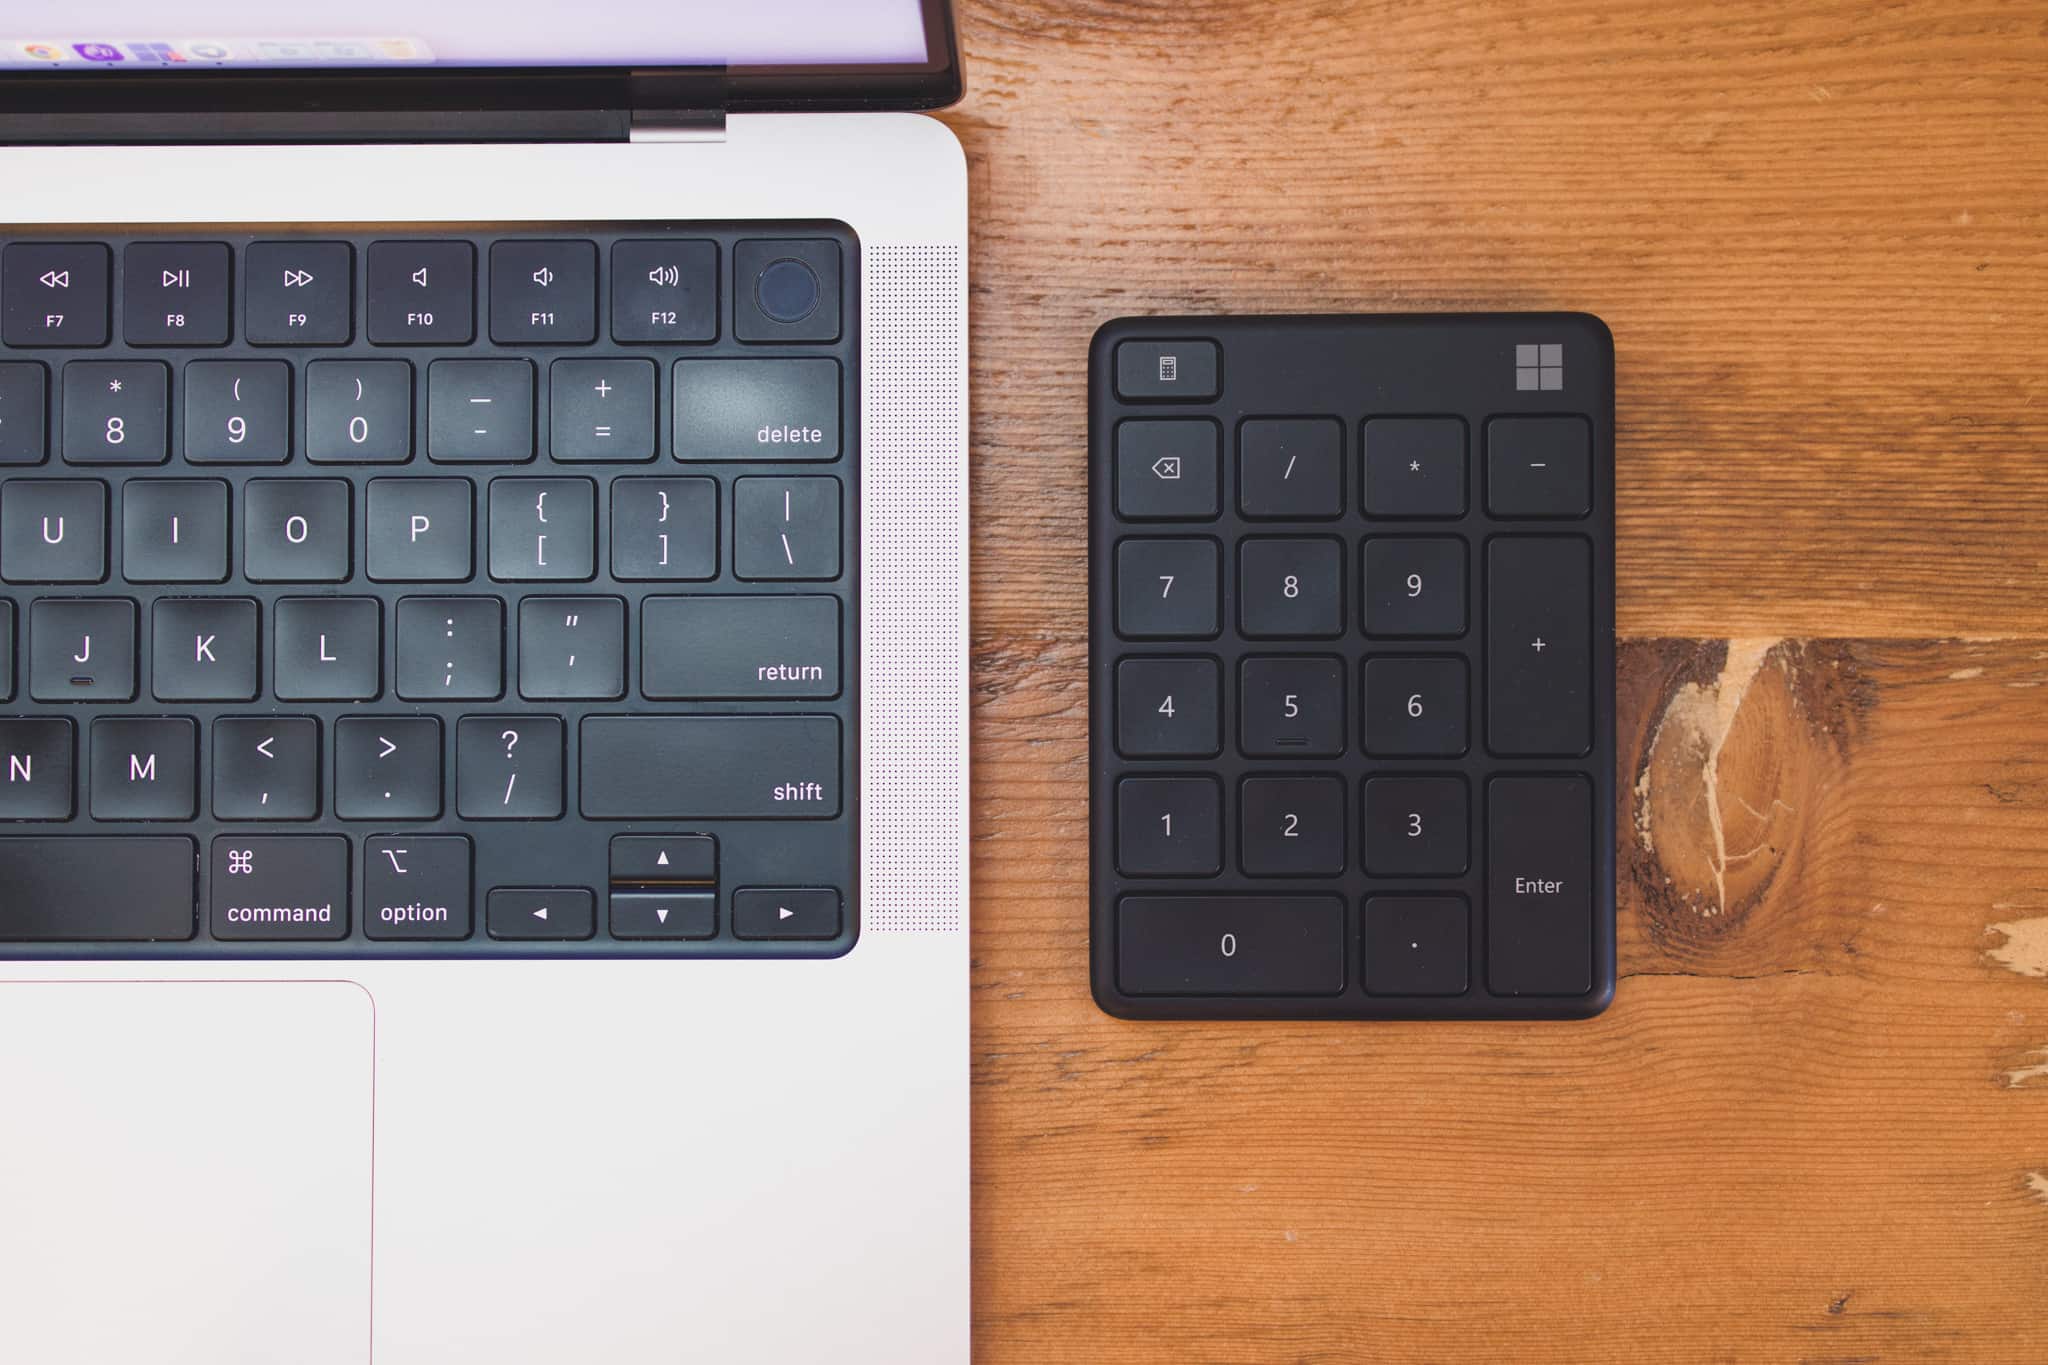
pixel 398 591
pixel 1351 627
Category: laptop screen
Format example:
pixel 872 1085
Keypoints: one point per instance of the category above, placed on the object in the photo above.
pixel 149 36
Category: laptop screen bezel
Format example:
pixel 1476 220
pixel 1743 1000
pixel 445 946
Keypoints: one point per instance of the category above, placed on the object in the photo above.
pixel 931 84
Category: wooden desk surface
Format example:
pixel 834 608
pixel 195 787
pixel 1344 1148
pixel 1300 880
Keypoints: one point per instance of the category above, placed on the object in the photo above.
pixel 1814 1125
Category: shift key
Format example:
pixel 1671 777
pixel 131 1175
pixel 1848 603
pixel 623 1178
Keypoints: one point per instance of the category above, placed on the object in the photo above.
pixel 710 767
pixel 757 409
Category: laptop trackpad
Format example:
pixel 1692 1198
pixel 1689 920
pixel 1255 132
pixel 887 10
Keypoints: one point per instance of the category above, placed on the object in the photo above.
pixel 185 1172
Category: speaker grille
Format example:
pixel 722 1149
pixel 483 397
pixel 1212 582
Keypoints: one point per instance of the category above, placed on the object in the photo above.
pixel 914 594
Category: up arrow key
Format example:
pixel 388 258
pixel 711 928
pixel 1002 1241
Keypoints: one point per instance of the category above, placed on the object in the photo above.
pixel 662 861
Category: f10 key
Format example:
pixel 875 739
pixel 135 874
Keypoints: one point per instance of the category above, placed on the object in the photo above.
pixel 1351 620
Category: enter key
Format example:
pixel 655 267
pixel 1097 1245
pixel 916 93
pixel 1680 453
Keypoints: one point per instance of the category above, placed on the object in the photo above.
pixel 1539 903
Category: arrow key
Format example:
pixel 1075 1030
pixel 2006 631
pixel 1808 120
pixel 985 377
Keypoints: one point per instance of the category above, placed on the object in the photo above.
pixel 557 912
pixel 786 912
pixel 660 914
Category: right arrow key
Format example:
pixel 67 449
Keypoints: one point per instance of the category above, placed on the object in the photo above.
pixel 786 912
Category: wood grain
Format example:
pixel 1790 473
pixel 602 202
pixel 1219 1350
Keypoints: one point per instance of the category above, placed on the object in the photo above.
pixel 1814 1126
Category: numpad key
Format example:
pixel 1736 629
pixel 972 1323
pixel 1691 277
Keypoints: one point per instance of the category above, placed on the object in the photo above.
pixel 1351 629
pixel 415 590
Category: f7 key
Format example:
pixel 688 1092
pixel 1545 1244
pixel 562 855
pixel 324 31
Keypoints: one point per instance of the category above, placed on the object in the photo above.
pixel 1351 623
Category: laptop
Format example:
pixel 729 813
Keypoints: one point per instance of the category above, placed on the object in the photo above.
pixel 483 838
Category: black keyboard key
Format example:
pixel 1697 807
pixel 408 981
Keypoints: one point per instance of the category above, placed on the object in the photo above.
pixel 1230 945
pixel 266 768
pixel 24 412
pixel 554 912
pixel 664 529
pixel 174 530
pixel 1416 945
pixel 54 294
pixel 572 648
pixel 81 649
pixel 664 291
pixel 1169 708
pixel 757 409
pixel 708 767
pixel 785 529
pixel 130 890
pixel 1169 469
pixel 53 531
pixel 1290 589
pixel 480 411
pixel 328 649
pixel 238 412
pixel 1414 467
pixel 203 649
pixel 1291 826
pixel 1414 586
pixel 601 410
pixel 509 767
pixel 543 530
pixel 1415 707
pixel 451 648
pixel 279 887
pixel 1168 589
pixel 1539 885
pixel 786 291
pixel 422 293
pixel 543 293
pixel 298 293
pixel 387 768
pixel 1291 468
pixel 418 530
pixel 785 913
pixel 6 651
pixel 1539 645
pixel 739 647
pixel 296 531
pixel 416 886
pixel 36 783
pixel 176 293
pixel 1174 371
pixel 1417 826
pixel 1291 708
pixel 663 914
pixel 116 412
pixel 359 411
pixel 1169 826
pixel 659 860
pixel 145 768
pixel 1539 467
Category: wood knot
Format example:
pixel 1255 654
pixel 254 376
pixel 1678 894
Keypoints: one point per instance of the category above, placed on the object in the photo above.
pixel 1736 743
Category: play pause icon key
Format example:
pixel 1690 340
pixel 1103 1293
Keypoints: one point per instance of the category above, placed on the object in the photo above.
pixel 541 913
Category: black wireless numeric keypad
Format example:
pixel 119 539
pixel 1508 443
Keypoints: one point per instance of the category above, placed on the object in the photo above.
pixel 1351 631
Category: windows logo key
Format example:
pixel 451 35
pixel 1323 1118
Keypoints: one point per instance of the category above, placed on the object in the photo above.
pixel 1539 367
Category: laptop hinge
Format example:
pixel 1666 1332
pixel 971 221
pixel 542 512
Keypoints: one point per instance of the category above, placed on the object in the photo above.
pixel 677 125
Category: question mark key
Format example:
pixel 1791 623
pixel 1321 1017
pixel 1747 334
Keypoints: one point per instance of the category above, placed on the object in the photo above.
pixel 509 767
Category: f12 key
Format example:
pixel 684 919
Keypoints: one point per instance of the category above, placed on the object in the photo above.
pixel 1351 622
